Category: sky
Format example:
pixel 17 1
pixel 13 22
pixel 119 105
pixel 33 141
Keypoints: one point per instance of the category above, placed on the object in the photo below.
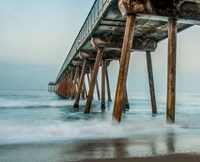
pixel 36 35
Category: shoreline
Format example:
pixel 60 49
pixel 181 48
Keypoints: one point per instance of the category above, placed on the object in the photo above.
pixel 176 157
pixel 115 150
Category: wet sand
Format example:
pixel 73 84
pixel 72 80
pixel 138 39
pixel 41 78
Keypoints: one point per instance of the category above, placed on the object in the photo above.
pixel 118 150
pixel 163 158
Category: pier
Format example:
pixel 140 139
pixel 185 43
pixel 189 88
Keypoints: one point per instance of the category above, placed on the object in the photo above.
pixel 113 30
pixel 51 87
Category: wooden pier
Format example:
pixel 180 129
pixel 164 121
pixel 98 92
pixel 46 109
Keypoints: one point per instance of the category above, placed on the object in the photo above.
pixel 113 30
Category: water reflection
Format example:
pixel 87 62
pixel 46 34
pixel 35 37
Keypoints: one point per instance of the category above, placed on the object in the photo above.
pixel 121 148
pixel 95 149
pixel 170 142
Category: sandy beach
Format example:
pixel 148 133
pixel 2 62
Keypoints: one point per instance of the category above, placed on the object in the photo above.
pixel 163 158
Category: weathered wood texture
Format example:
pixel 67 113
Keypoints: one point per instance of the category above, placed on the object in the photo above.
pixel 93 80
pixel 84 89
pixel 75 82
pixel 115 42
pixel 127 106
pixel 151 82
pixel 70 84
pixel 103 76
pixel 80 85
pixel 108 85
pixel 97 88
pixel 65 85
pixel 96 85
pixel 88 77
pixel 171 76
pixel 124 64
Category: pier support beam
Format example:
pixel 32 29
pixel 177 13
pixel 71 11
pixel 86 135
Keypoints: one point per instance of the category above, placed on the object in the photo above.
pixel 88 77
pixel 84 93
pixel 171 76
pixel 125 103
pixel 75 82
pixel 103 77
pixel 108 85
pixel 97 88
pixel 151 82
pixel 80 85
pixel 65 85
pixel 127 106
pixel 124 64
pixel 70 85
pixel 96 84
pixel 93 80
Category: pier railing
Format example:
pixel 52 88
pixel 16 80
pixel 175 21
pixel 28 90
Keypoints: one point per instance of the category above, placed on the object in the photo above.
pixel 98 9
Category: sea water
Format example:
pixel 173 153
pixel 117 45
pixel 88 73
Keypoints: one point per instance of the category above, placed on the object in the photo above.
pixel 41 126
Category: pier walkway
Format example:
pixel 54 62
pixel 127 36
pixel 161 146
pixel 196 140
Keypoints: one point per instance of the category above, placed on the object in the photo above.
pixel 112 30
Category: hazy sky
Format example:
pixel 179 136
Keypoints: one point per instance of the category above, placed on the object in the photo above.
pixel 36 35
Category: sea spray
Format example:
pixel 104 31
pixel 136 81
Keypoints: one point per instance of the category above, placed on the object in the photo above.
pixel 41 117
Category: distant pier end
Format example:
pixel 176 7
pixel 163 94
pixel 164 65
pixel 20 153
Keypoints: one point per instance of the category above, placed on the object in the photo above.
pixel 51 86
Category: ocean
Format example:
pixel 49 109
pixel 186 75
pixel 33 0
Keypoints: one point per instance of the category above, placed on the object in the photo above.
pixel 41 126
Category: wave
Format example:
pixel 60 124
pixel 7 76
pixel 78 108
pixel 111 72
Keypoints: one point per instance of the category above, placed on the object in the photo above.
pixel 4 103
pixel 44 131
pixel 81 128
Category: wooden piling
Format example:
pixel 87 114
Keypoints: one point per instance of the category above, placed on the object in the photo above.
pixel 108 85
pixel 127 106
pixel 70 84
pixel 62 89
pixel 151 83
pixel 58 88
pixel 84 90
pixel 59 85
pixel 103 77
pixel 75 81
pixel 65 85
pixel 80 85
pixel 88 77
pixel 62 85
pixel 98 91
pixel 124 64
pixel 171 76
pixel 93 80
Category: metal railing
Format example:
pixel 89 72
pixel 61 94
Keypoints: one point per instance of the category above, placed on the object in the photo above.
pixel 98 9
